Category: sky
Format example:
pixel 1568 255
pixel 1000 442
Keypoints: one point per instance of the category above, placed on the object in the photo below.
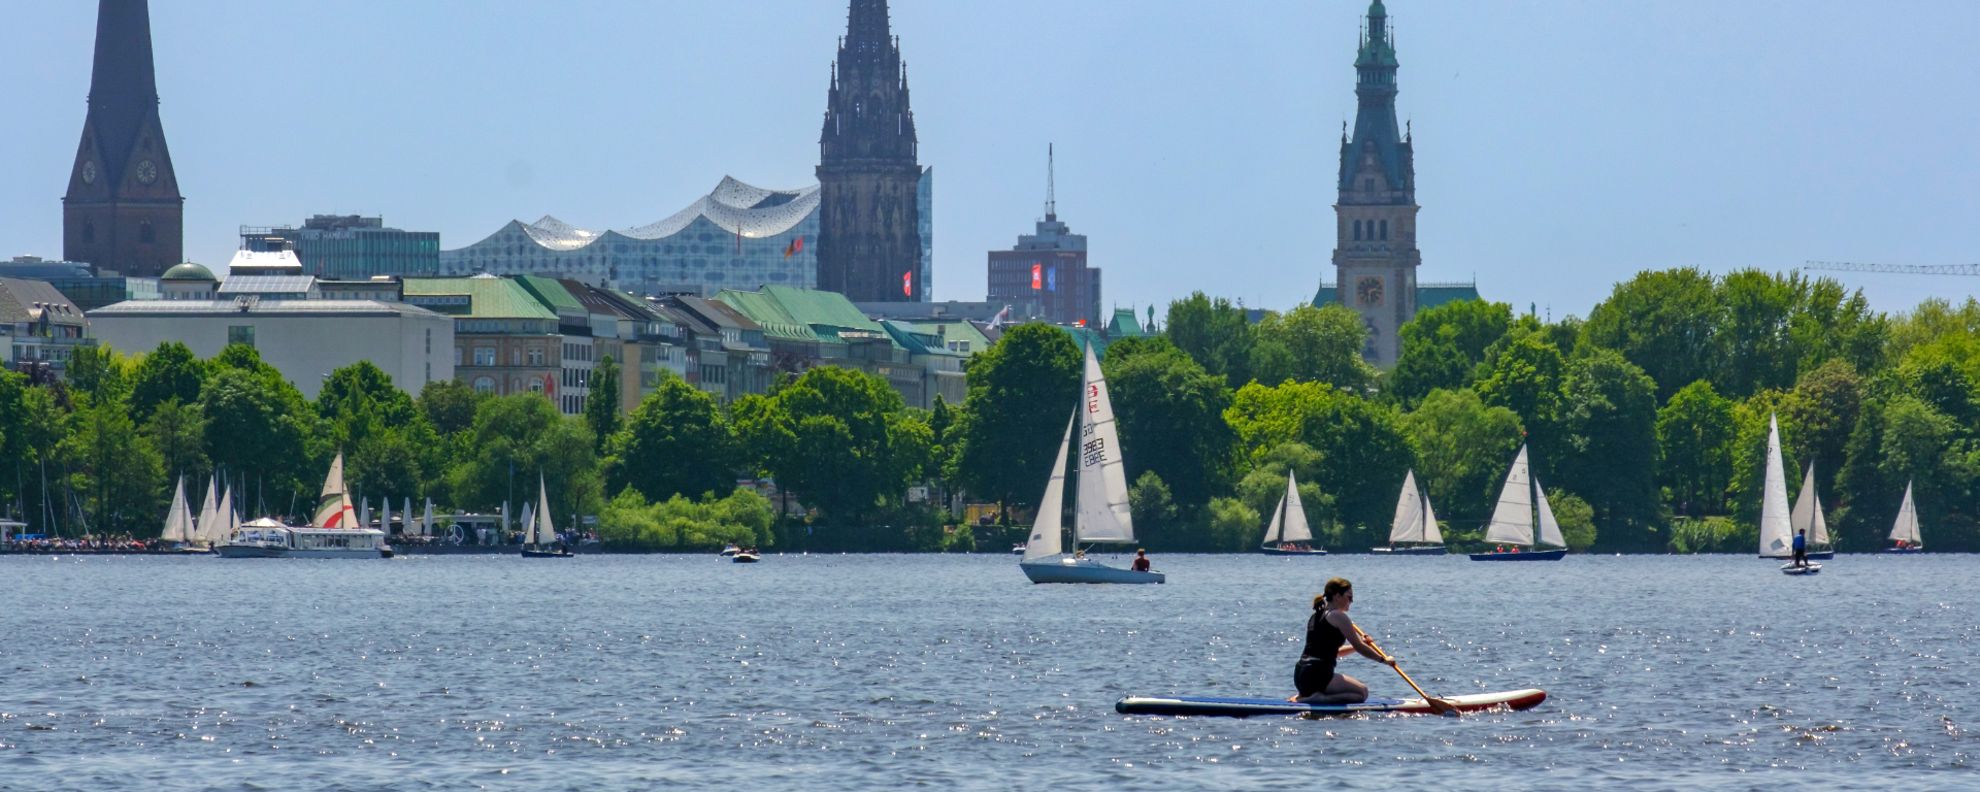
pixel 1565 145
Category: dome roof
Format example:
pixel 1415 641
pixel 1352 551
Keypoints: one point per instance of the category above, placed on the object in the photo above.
pixel 188 271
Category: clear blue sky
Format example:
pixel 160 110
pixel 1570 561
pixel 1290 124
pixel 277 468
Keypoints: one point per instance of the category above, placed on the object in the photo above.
pixel 1562 146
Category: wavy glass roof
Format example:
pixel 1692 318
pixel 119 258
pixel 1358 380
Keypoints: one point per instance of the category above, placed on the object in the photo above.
pixel 733 206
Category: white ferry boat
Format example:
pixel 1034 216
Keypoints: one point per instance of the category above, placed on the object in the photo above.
pixel 336 533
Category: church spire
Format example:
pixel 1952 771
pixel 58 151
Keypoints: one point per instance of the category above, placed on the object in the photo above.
pixel 869 176
pixel 123 209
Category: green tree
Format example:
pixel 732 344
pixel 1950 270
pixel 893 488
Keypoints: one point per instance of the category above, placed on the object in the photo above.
pixel 677 443
pixel 98 373
pixel 1362 445
pixel 449 405
pixel 1215 333
pixel 1665 322
pixel 1169 414
pixel 601 405
pixel 1311 344
pixel 1443 346
pixel 1234 527
pixel 1022 390
pixel 169 372
pixel 1755 345
pixel 1610 418
pixel 1576 518
pixel 854 449
pixel 116 470
pixel 1826 402
pixel 1524 372
pixel 521 437
pixel 178 432
pixel 1157 521
pixel 1263 488
pixel 32 441
pixel 1462 449
pixel 258 426
pixel 1694 442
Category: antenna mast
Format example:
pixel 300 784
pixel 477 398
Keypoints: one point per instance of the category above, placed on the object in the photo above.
pixel 1051 189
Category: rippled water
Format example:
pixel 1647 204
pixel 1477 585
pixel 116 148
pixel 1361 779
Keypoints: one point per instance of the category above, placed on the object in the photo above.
pixel 862 672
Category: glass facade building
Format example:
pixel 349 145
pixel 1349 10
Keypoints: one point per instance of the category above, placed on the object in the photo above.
pixel 350 247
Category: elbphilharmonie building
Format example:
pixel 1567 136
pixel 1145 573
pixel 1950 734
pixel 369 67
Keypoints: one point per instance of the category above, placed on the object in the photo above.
pixel 738 236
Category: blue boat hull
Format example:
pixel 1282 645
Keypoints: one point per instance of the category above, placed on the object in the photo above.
pixel 1537 555
pixel 1063 569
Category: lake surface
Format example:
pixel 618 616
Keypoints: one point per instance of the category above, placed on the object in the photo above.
pixel 866 672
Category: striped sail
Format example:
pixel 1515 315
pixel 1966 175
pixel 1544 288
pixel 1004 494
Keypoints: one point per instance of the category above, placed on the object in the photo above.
pixel 1512 519
pixel 1776 535
pixel 333 502
pixel 1103 489
pixel 1047 531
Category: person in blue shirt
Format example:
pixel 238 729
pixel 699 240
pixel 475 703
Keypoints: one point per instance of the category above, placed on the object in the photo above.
pixel 1801 548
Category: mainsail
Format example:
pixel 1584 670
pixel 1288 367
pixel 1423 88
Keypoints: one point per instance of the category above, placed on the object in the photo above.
pixel 176 521
pixel 1296 529
pixel 1430 533
pixel 1512 520
pixel 1906 527
pixel 546 533
pixel 209 510
pixel 1776 535
pixel 1046 539
pixel 1408 526
pixel 1103 490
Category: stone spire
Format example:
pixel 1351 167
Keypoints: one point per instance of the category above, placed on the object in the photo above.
pixel 869 236
pixel 123 209
pixel 867 113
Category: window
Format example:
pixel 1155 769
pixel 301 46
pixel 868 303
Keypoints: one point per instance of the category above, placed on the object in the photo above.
pixel 1357 230
pixel 146 234
pixel 535 356
pixel 484 385
pixel 1385 230
pixel 458 353
pixel 535 385
pixel 240 334
pixel 1368 184
pixel 515 357
pixel 484 356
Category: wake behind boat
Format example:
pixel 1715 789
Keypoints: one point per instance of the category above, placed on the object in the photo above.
pixel 1101 512
pixel 1247 707
pixel 1415 529
pixel 1521 503
pixel 1288 533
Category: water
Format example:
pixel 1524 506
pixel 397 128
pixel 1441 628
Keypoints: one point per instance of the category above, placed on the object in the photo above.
pixel 864 672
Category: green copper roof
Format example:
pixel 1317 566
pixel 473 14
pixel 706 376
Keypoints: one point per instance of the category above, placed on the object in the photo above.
pixel 1124 325
pixel 551 293
pixel 1428 295
pixel 188 271
pixel 489 297
pixel 793 314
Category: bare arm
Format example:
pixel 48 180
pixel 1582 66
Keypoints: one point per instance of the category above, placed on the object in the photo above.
pixel 1356 639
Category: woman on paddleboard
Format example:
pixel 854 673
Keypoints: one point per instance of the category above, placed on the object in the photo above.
pixel 1331 635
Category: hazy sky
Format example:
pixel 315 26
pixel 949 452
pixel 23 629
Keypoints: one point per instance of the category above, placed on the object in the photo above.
pixel 1564 147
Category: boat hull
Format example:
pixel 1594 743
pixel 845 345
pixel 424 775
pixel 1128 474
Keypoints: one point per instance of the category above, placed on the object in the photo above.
pixel 1818 555
pixel 1901 550
pixel 743 558
pixel 1538 555
pixel 1248 707
pixel 248 551
pixel 1278 552
pixel 1791 569
pixel 1423 551
pixel 1084 570
pixel 548 554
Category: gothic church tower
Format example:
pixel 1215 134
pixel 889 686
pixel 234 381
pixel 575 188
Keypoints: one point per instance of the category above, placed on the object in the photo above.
pixel 869 223
pixel 123 210
pixel 1375 255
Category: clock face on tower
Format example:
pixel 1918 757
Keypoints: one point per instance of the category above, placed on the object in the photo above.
pixel 1368 291
pixel 147 172
pixel 89 172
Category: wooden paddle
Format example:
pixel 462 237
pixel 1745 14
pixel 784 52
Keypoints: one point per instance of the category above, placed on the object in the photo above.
pixel 1441 706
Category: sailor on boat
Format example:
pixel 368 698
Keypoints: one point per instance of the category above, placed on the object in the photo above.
pixel 1331 635
pixel 1801 548
pixel 1141 563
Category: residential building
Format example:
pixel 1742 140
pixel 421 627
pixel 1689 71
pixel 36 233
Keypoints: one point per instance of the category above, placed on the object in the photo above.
pixel 39 326
pixel 729 355
pixel 807 328
pixel 505 340
pixel 123 211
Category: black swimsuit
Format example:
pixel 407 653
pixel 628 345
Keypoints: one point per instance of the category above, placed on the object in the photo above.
pixel 1316 663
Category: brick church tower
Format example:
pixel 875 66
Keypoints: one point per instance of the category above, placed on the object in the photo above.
pixel 869 219
pixel 1375 255
pixel 123 210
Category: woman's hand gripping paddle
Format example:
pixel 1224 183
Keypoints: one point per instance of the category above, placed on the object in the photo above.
pixel 1441 706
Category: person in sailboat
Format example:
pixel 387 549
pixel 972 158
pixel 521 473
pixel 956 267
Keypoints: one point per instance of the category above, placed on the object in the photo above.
pixel 1801 548
pixel 1141 563
pixel 1331 635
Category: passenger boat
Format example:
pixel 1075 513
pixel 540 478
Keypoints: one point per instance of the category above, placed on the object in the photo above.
pixel 1101 511
pixel 746 556
pixel 1521 503
pixel 1777 523
pixel 1287 533
pixel 1904 532
pixel 1414 531
pixel 334 534
pixel 540 540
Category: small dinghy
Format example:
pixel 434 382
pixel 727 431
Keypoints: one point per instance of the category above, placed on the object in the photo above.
pixel 1797 569
pixel 1415 529
pixel 541 536
pixel 1778 524
pixel 1904 532
pixel 1247 707
pixel 748 556
pixel 1522 502
pixel 1288 533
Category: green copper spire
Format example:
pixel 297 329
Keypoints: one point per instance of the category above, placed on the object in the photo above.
pixel 1375 124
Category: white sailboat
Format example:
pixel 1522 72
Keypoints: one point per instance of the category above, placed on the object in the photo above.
pixel 209 510
pixel 1101 503
pixel 1904 532
pixel 1288 533
pixel 1522 502
pixel 335 532
pixel 178 521
pixel 1778 524
pixel 1414 531
pixel 540 537
pixel 1807 516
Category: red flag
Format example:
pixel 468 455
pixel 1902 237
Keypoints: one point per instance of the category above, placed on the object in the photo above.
pixel 796 246
pixel 1037 277
pixel 907 283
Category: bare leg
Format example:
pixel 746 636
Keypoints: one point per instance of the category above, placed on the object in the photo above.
pixel 1342 689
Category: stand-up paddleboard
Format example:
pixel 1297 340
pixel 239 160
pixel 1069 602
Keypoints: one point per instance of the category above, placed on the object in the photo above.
pixel 1248 707
pixel 1791 569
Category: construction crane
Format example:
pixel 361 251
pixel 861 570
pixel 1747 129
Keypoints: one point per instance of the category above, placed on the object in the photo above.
pixel 1893 269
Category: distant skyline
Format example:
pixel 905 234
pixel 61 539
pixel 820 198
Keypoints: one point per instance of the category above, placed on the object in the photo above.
pixel 1560 147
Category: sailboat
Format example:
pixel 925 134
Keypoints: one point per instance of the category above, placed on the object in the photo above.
pixel 540 538
pixel 1904 532
pixel 1100 513
pixel 1521 502
pixel 203 527
pixel 1288 533
pixel 178 521
pixel 1777 523
pixel 1415 529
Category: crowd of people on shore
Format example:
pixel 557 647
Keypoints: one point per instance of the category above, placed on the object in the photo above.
pixel 34 543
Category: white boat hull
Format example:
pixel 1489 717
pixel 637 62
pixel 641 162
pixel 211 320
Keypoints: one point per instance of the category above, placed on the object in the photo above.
pixel 1064 569
pixel 249 551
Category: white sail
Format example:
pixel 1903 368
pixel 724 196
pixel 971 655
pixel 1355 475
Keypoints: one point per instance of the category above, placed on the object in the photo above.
pixel 1906 527
pixel 1296 530
pixel 426 520
pixel 1430 533
pixel 528 521
pixel 1550 531
pixel 209 510
pixel 1807 514
pixel 364 517
pixel 223 525
pixel 405 515
pixel 175 520
pixel 1103 489
pixel 1047 532
pixel 505 517
pixel 1408 525
pixel 385 515
pixel 1512 519
pixel 233 518
pixel 1819 535
pixel 546 532
pixel 1776 535
pixel 1277 525
pixel 333 500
